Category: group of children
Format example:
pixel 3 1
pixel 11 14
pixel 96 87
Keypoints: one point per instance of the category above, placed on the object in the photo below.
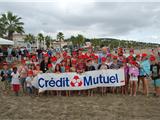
pixel 140 67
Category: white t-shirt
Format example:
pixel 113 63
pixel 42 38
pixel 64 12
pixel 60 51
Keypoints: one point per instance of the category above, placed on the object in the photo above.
pixel 109 63
pixel 28 81
pixel 59 60
pixel 15 78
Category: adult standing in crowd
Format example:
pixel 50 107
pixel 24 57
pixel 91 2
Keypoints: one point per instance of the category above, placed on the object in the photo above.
pixel 44 63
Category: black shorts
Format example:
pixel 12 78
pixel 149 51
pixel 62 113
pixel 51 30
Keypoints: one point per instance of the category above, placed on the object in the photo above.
pixel 142 76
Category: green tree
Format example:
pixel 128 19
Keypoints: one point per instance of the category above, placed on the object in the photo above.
pixel 48 41
pixel 2 28
pixel 30 39
pixel 60 38
pixel 73 40
pixel 10 24
pixel 40 38
pixel 80 40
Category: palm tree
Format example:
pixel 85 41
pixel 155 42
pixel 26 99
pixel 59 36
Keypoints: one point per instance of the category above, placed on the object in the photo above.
pixel 48 41
pixel 11 24
pixel 2 30
pixel 73 40
pixel 60 37
pixel 30 39
pixel 80 40
pixel 40 38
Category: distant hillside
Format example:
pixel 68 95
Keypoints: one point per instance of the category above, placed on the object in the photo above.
pixel 114 43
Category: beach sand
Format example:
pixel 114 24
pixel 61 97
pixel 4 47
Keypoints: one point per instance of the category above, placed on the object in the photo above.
pixel 109 107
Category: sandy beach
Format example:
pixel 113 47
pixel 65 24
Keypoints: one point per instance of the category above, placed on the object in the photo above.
pixel 109 107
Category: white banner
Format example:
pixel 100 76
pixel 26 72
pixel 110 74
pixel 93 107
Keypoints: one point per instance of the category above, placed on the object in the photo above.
pixel 74 81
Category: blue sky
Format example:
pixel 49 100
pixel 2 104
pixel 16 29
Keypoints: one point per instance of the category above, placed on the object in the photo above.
pixel 138 20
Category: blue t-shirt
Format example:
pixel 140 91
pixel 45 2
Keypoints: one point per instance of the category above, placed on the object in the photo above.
pixel 62 69
pixel 100 55
pixel 145 68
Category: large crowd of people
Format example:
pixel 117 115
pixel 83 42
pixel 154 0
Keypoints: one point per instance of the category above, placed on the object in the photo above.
pixel 21 66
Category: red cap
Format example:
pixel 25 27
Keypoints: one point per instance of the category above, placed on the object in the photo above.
pixel 49 65
pixel 45 55
pixel 74 61
pixel 120 53
pixel 74 52
pixel 115 57
pixel 33 57
pixel 109 55
pixel 133 62
pixel 89 59
pixel 103 59
pixel 124 61
pixel 85 56
pixel 152 58
pixel 30 72
pixel 144 55
pixel 92 55
pixel 68 57
pixel 67 68
pixel 81 56
pixel 96 57
pixel 53 59
pixel 130 57
pixel 64 54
